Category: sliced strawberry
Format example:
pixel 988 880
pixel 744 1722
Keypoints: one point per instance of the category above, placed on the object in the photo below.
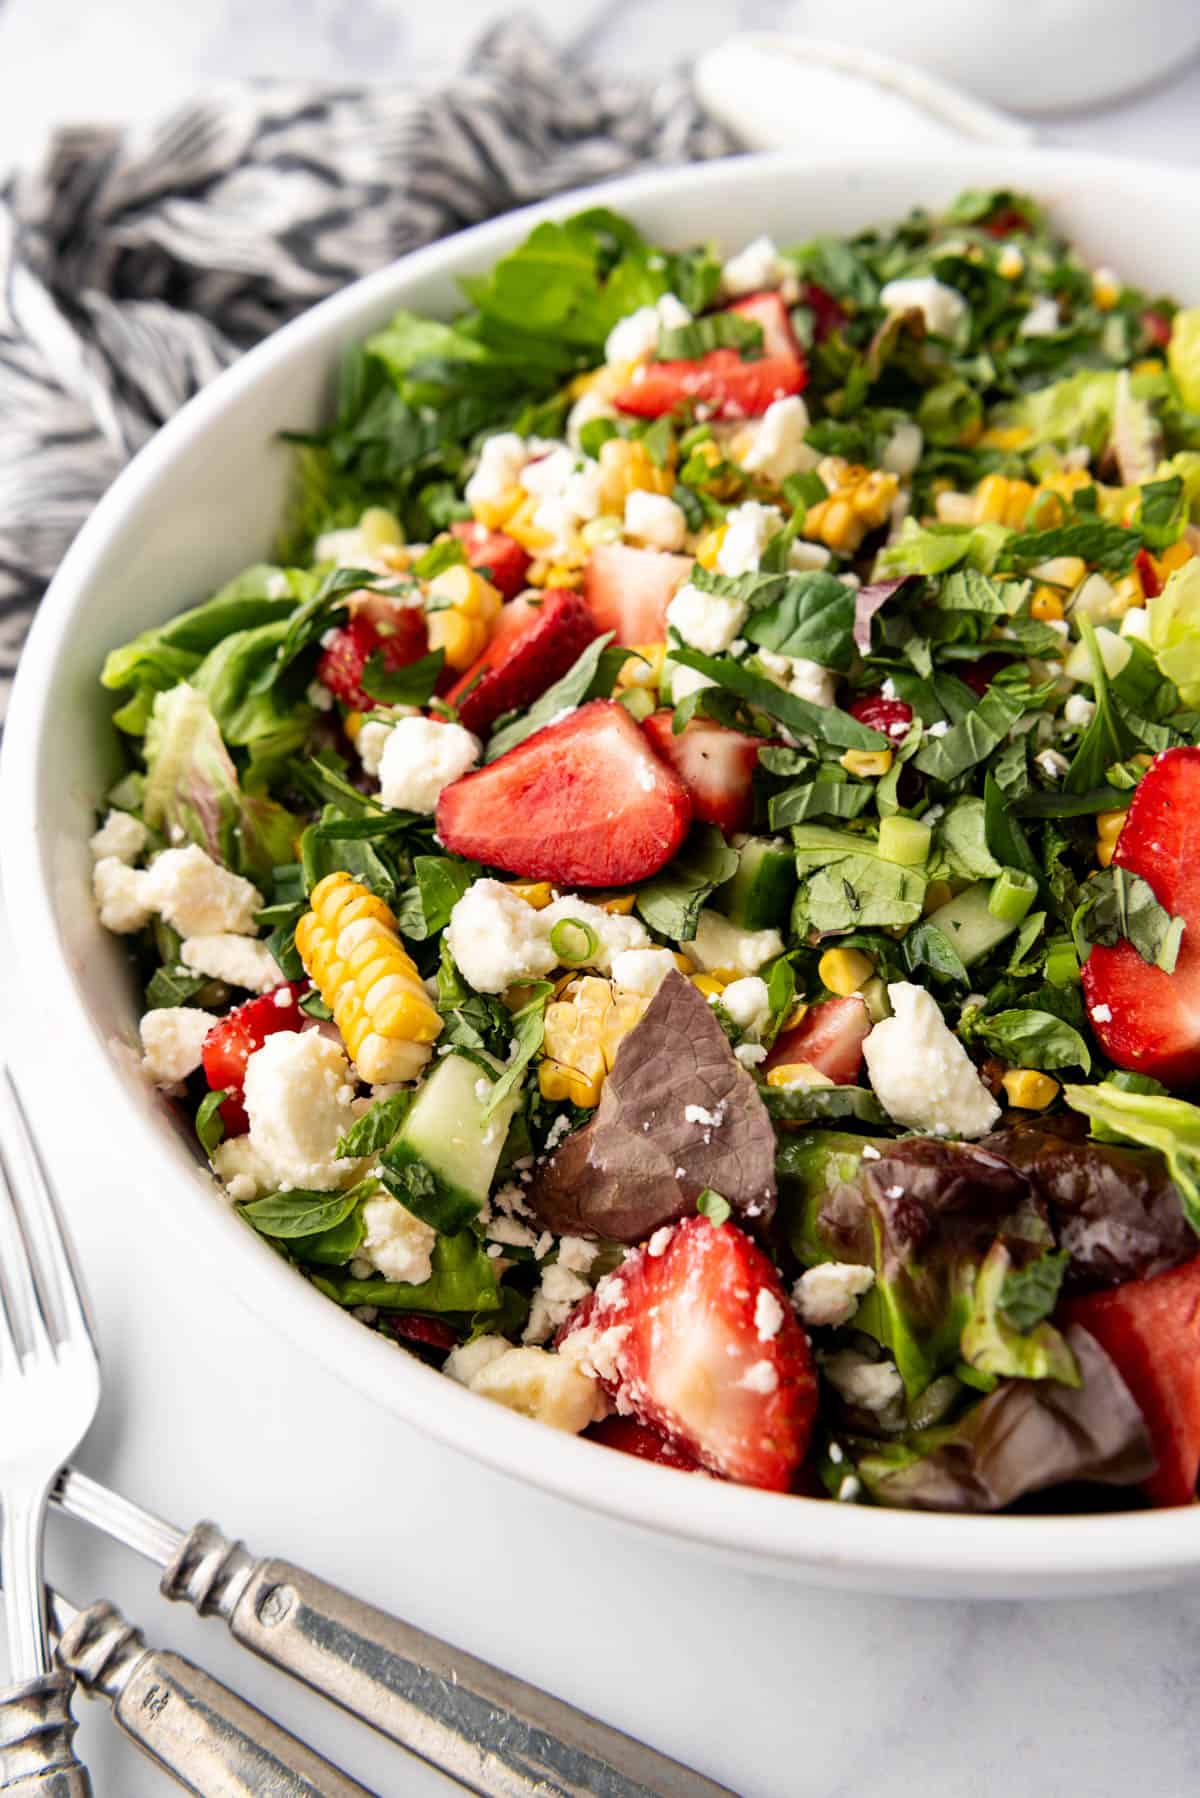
pixel 829 315
pixel 536 640
pixel 1157 327
pixel 1150 1329
pixel 768 310
pixel 633 1438
pixel 720 381
pixel 428 1332
pixel 583 803
pixel 1148 573
pixel 891 716
pixel 715 764
pixel 1146 1019
pixel 397 632
pixel 829 1037
pixel 697 1340
pixel 234 1038
pixel 506 562
pixel 630 589
pixel 1005 221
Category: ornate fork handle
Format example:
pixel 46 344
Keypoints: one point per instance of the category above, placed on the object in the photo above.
pixel 37 1729
pixel 494 1734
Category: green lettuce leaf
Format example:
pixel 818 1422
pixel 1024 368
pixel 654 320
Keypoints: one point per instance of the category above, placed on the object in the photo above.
pixel 998 1342
pixel 1172 1126
pixel 1175 630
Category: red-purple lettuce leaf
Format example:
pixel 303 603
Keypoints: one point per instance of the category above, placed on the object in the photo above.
pixel 642 1162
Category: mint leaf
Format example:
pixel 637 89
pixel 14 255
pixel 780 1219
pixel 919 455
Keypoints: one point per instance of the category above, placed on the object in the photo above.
pixel 290 1215
pixel 1033 1039
pixel 1118 905
pixel 375 1129
pixel 825 723
pixel 592 676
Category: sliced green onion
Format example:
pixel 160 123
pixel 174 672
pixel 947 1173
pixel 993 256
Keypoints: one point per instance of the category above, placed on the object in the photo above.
pixel 637 701
pixel 1012 895
pixel 561 943
pixel 692 439
pixel 1062 963
pixel 904 840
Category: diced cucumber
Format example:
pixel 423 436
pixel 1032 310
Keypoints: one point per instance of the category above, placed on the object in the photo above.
pixel 970 925
pixel 446 1128
pixel 759 896
pixel 904 841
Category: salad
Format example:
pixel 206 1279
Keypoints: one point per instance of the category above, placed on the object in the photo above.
pixel 676 898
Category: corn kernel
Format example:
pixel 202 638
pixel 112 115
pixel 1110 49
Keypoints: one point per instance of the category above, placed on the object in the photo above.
pixel 843 971
pixel 709 985
pixel 1005 437
pixel 1028 1089
pixel 859 500
pixel 869 764
pixel 1046 605
pixel 556 1082
pixel 1129 592
pixel 494 514
pixel 537 894
pixel 1106 289
pixel 708 546
pixel 643 668
pixel 937 894
pixel 625 466
pixel 583 1033
pixel 1174 557
pixel 469 607
pixel 797 1073
pixel 795 1015
pixel 352 723
pixel 620 905
pixel 1011 263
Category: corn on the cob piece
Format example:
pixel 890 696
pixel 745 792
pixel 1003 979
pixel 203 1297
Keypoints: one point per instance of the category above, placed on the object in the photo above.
pixel 353 955
pixel 584 1030
pixel 1108 829
pixel 464 610
pixel 859 500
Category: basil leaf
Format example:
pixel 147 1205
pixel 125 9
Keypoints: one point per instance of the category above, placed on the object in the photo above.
pixel 173 985
pixel 449 553
pixel 528 1028
pixel 927 948
pixel 375 1129
pixel 671 903
pixel 1120 906
pixel 590 677
pixel 800 716
pixel 717 331
pixel 812 617
pixel 859 892
pixel 825 798
pixel 439 882
pixel 210 1126
pixel 966 590
pixel 1162 512
pixel 1102 545
pixel 971 740
pixel 463 1281
pixel 962 839
pixel 411 685
pixel 1033 1039
pixel 289 1215
pixel 1005 838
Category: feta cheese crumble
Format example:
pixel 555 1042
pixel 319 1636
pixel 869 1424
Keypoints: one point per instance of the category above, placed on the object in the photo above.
pixel 420 758
pixel 655 520
pixel 708 622
pixel 395 1243
pixel 121 837
pixel 238 960
pixel 298 1097
pixel 634 338
pixel 922 1075
pixel 798 675
pixel 198 896
pixel 872 1385
pixel 756 267
pixel 501 459
pixel 827 1295
pixel 748 1003
pixel 768 1316
pixel 555 1389
pixel 942 307
pixel 642 970
pixel 172 1037
pixel 496 939
pixel 777 442
pixel 748 529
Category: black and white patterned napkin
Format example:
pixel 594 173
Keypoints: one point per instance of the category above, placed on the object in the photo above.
pixel 136 264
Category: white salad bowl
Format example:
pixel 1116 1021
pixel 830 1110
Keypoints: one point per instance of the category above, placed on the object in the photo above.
pixel 202 500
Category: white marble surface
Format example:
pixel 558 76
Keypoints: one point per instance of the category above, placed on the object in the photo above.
pixel 774 1689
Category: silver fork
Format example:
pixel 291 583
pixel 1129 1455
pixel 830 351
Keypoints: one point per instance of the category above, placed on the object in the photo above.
pixel 49 1384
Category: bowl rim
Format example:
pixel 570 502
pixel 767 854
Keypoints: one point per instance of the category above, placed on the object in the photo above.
pixel 872 1548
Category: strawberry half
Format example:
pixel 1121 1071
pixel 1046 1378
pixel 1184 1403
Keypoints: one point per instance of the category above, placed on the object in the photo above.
pixel 715 764
pixel 830 1037
pixel 1148 574
pixel 705 1349
pixel 234 1038
pixel 535 642
pixel 829 315
pixel 768 310
pixel 399 635
pixel 501 555
pixel 630 1437
pixel 1149 1021
pixel 583 803
pixel 891 716
pixel 630 589
pixel 721 381
pixel 1150 1330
